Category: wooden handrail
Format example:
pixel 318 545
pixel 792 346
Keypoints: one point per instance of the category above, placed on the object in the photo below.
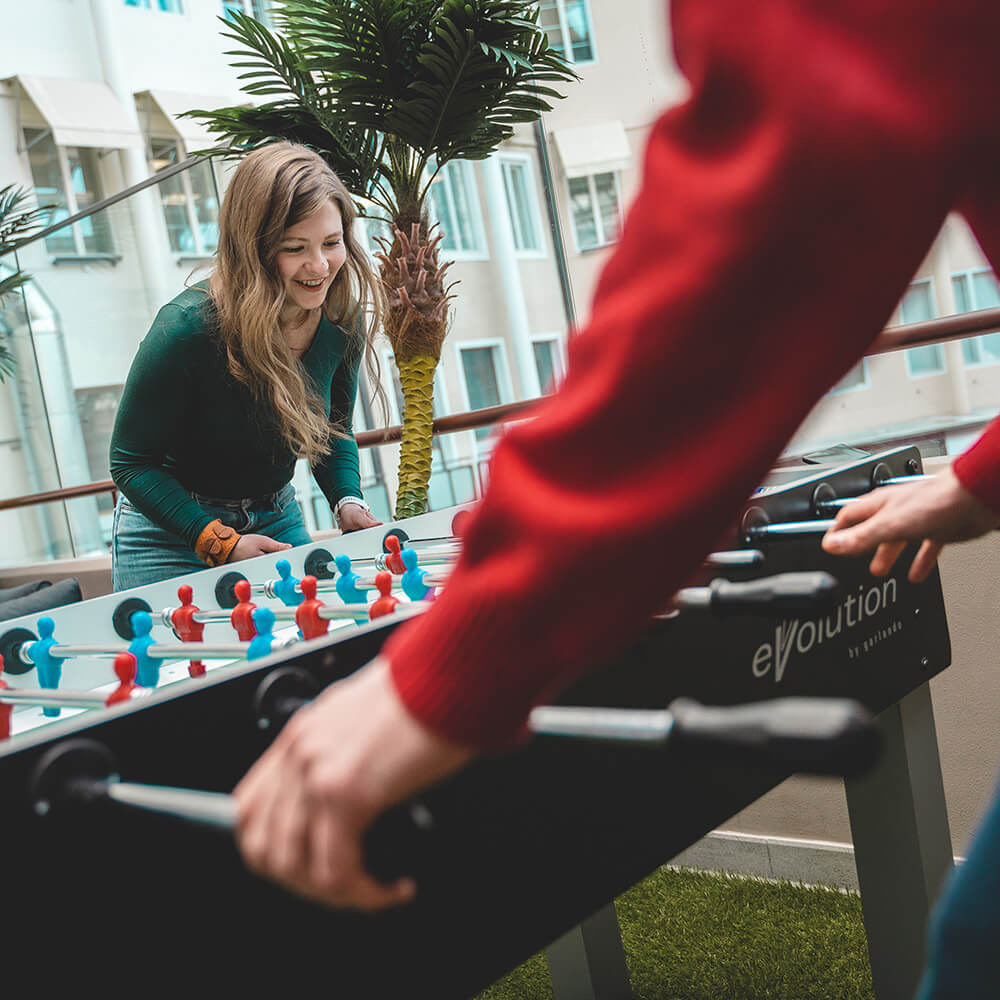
pixel 366 439
pixel 895 338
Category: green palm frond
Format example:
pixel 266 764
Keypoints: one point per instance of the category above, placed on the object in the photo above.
pixel 381 88
pixel 17 220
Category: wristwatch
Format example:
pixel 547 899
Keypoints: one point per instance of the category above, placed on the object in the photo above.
pixel 346 500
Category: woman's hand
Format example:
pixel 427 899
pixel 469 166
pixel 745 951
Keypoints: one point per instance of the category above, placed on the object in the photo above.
pixel 935 511
pixel 353 517
pixel 250 546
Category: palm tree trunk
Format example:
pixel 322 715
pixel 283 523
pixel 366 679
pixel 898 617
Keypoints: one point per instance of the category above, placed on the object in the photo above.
pixel 416 375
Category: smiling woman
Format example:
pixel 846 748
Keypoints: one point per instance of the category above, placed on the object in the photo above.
pixel 241 375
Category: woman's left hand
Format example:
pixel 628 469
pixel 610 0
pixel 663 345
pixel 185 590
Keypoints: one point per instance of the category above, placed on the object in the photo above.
pixel 353 517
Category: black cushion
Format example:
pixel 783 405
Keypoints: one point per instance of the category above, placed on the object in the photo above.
pixel 9 593
pixel 43 598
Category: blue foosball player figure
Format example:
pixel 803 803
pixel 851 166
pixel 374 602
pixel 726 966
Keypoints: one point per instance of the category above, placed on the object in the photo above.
pixel 147 670
pixel 347 588
pixel 286 587
pixel 260 644
pixel 47 663
pixel 412 581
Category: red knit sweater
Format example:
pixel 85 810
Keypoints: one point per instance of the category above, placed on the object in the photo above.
pixel 783 209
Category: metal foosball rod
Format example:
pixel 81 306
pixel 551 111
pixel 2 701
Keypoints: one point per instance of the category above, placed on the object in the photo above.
pixel 735 557
pixel 329 612
pixel 811 735
pixel 81 772
pixel 825 504
pixel 156 651
pixel 45 698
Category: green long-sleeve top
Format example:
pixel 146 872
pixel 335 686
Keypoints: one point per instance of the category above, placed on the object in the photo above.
pixel 185 425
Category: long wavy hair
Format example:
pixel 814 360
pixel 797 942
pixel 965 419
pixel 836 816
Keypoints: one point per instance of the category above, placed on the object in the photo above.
pixel 276 187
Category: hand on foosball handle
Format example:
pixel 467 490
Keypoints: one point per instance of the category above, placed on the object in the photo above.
pixel 251 546
pixel 303 809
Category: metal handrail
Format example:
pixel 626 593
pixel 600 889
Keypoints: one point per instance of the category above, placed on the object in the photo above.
pixel 896 338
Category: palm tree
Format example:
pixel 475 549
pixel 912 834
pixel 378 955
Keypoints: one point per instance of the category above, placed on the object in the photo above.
pixel 16 223
pixel 388 92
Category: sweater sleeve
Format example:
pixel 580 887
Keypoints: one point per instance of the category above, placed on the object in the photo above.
pixel 783 209
pixel 150 420
pixel 339 474
pixel 978 469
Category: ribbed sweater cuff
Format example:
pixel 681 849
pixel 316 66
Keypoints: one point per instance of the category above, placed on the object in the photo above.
pixel 978 469
pixel 459 678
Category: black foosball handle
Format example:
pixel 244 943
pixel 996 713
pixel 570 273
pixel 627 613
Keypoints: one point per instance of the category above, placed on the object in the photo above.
pixel 779 594
pixel 829 736
pixel 78 773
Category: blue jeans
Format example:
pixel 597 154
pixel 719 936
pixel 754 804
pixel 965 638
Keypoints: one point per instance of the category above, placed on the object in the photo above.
pixel 965 927
pixel 142 552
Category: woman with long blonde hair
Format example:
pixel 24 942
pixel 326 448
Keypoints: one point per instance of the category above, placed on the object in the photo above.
pixel 244 373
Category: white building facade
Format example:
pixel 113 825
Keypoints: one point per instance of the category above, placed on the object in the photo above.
pixel 90 94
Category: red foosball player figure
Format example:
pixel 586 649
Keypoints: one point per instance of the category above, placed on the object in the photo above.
pixel 385 603
pixel 307 613
pixel 394 559
pixel 186 628
pixel 242 616
pixel 125 668
pixel 5 709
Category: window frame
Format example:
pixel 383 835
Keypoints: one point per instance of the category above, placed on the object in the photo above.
pixel 504 385
pixel 533 209
pixel 566 50
pixel 154 6
pixel 80 252
pixel 865 383
pixel 943 369
pixel 199 252
pixel 595 212
pixel 482 250
pixel 967 274
pixel 559 354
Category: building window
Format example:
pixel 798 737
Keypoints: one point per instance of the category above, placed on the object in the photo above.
pixel 522 204
pixel 917 306
pixel 169 6
pixel 568 26
pixel 596 208
pixel 189 199
pixel 548 363
pixel 855 378
pixel 68 177
pixel 480 369
pixel 978 290
pixel 455 205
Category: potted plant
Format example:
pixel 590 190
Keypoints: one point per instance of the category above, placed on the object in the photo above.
pixel 388 92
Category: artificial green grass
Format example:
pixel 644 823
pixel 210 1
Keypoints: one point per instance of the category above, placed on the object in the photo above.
pixel 692 935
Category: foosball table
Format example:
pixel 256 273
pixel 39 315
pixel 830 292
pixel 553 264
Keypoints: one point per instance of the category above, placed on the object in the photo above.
pixel 112 885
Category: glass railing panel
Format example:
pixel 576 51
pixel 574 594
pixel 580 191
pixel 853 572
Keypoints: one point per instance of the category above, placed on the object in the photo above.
pixel 86 313
pixel 27 456
pixel 939 396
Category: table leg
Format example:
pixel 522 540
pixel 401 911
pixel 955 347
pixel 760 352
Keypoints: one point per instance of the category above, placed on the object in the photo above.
pixel 902 844
pixel 588 963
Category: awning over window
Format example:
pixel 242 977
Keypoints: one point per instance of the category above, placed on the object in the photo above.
pixel 173 104
pixel 593 149
pixel 82 112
